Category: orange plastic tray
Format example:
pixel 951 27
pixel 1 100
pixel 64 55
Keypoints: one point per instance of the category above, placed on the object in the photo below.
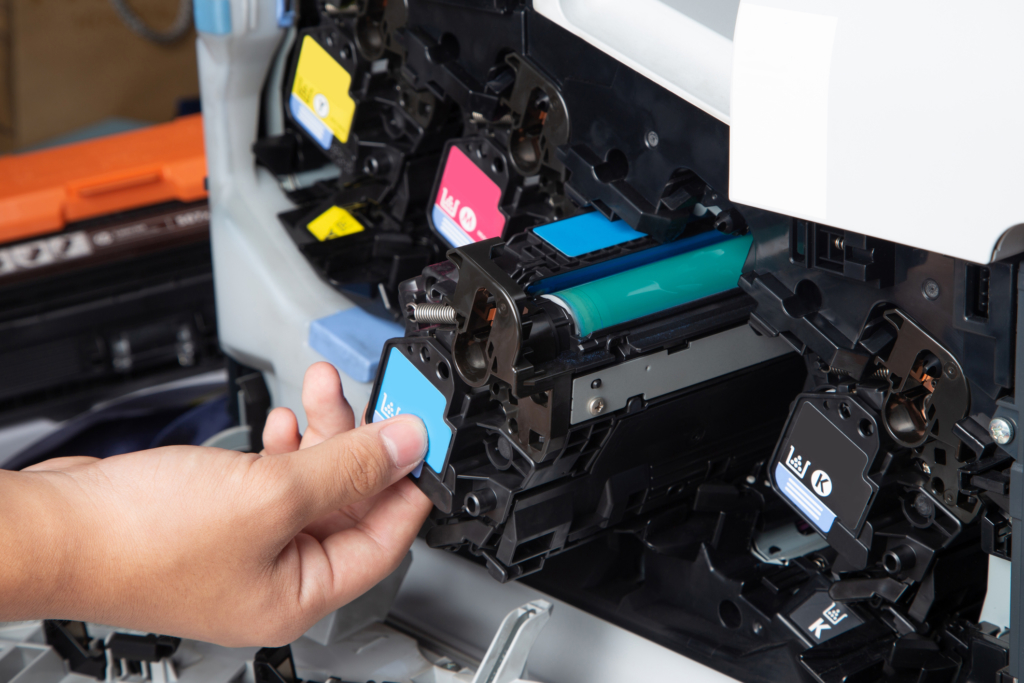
pixel 41 192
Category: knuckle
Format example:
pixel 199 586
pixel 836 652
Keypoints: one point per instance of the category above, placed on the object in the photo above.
pixel 364 472
pixel 278 492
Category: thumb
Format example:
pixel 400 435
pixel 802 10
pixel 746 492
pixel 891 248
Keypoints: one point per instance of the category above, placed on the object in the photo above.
pixel 352 466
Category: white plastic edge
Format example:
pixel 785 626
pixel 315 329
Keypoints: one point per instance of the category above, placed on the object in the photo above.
pixel 881 127
pixel 663 44
pixel 267 294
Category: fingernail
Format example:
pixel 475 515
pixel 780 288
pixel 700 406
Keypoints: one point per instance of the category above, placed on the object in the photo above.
pixel 405 439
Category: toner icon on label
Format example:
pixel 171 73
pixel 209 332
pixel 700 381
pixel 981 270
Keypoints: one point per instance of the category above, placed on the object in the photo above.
pixel 466 207
pixel 448 203
pixel 797 463
pixel 823 618
pixel 386 410
pixel 831 617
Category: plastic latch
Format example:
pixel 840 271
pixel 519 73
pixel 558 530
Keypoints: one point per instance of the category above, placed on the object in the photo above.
pixel 285 13
pixel 212 16
pixel 352 341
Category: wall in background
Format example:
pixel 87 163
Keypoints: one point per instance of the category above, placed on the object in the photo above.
pixel 66 64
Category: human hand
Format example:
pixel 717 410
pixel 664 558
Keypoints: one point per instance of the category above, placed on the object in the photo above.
pixel 233 548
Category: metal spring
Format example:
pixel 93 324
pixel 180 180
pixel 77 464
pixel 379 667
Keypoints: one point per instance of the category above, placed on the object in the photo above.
pixel 478 118
pixel 881 373
pixel 433 314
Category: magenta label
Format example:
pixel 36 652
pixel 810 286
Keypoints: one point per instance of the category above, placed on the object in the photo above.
pixel 466 207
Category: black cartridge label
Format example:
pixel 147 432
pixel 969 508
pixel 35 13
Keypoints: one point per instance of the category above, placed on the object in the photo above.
pixel 822 618
pixel 821 471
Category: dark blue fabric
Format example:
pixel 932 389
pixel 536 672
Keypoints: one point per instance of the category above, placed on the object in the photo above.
pixel 196 425
pixel 113 437
pixel 128 433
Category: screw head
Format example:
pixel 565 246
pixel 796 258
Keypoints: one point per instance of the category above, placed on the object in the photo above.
pixel 652 139
pixel 951 371
pixel 1002 430
pixel 502 308
pixel 931 290
pixel 924 506
pixel 757 628
pixel 596 405
pixel 949 497
pixel 596 384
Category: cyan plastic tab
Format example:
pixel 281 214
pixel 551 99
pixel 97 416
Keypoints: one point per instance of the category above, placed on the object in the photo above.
pixel 622 263
pixel 285 13
pixel 352 341
pixel 212 16
pixel 405 391
pixel 583 234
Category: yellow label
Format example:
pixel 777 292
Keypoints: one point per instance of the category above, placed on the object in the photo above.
pixel 322 85
pixel 334 222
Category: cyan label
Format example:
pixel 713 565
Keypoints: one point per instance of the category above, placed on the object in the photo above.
pixel 405 391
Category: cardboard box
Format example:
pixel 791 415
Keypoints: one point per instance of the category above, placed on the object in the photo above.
pixel 66 64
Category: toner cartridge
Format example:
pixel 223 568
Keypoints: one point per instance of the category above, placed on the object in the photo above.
pixel 537 402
